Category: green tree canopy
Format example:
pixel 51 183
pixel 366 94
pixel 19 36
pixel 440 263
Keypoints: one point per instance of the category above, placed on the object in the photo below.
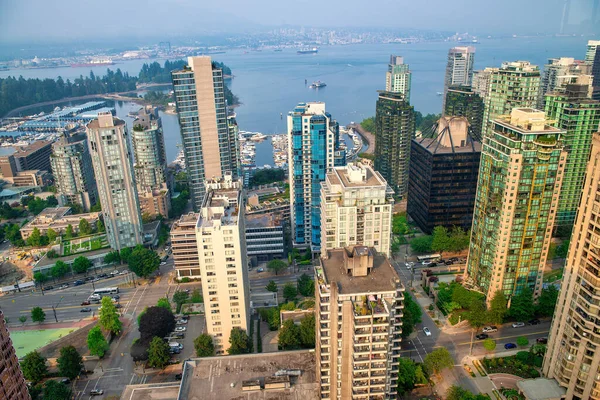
pixel 143 261
pixel 156 321
pixel 69 362
pixel 69 232
pixel 109 317
pixel 164 302
pixel 196 297
pixel 112 257
pixel 547 302
pixel 52 235
pixel 440 239
pixel 412 315
pixel 521 305
pixel 59 269
pixel 307 331
pixel 522 341
pixel 158 353
pixel 239 342
pixel 100 226
pixel 204 346
pixel 38 315
pixel 55 390
pixel 81 264
pixel 438 360
pixel 421 244
pixel 276 266
pixel 477 314
pixel 34 367
pixel 406 375
pixel 35 238
pixel 180 297
pixel 22 319
pixel 289 292
pixel 271 286
pixel 39 277
pixel 306 286
pixel 489 344
pixel 125 253
pixel 84 227
pixel 458 393
pixel 96 342
pixel 497 309
pixel 289 336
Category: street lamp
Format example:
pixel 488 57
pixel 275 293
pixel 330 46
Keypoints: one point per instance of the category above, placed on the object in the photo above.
pixel 54 308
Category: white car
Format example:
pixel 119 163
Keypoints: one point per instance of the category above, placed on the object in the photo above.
pixel 124 272
pixel 182 322
pixel 426 263
pixel 518 324
pixel 427 331
pixel 180 329
pixel 410 264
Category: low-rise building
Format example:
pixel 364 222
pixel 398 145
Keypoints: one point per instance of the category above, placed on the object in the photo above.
pixel 359 303
pixel 57 218
pixel 185 247
pixel 34 156
pixel 32 178
pixel 264 236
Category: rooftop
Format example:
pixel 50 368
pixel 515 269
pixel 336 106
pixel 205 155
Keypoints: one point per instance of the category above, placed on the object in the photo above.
pixel 50 214
pixel 528 120
pixel 381 278
pixel 152 391
pixel 451 135
pixel 262 221
pixel 221 378
pixel 186 219
pixel 541 389
pixel 32 148
pixel 105 118
pixel 355 175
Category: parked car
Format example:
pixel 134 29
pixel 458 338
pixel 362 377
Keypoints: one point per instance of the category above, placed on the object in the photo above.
pixel 174 350
pixel 88 278
pixel 453 259
pixel 449 262
pixel 482 336
pixel 96 392
pixel 85 303
pixel 48 287
pixel 509 346
pixel 542 340
pixel 178 335
pixel 78 282
pixel 102 276
pixel 427 263
pixel 116 297
pixel 86 309
pixel 518 324
pixel 177 345
pixel 489 329
pixel 66 381
pixel 260 270
pixel 163 263
pixel 180 329
pixel 182 322
pixel 534 321
pixel 426 331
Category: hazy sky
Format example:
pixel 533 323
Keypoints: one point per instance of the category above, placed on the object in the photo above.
pixel 41 20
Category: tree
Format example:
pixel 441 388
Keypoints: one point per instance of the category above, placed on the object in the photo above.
pixel 96 342
pixel 420 378
pixel 289 292
pixel 22 319
pixel 204 346
pixel 35 239
pixel 59 269
pixel 158 353
pixel 112 257
pixel 458 393
pixel 156 321
pixel 289 336
pixel 55 390
pixel 521 305
pixel 421 244
pixel 39 277
pixel 440 241
pixel 125 254
pixel 196 297
pixel 81 264
pixel 306 286
pixel 489 344
pixel 109 318
pixel 96 207
pixel 34 367
pixel 13 233
pixel 69 232
pixel 547 302
pixel 164 302
pixel 477 314
pixel 522 341
pixel 276 266
pixel 100 226
pixel 52 235
pixel 69 362
pixel 497 309
pixel 52 254
pixel 438 360
pixel 139 350
pixel 272 286
pixel 143 261
pixel 180 297
pixel 307 331
pixel 538 349
pixel 37 314
pixel 84 227
pixel 239 342
pixel 406 375
pixel 412 315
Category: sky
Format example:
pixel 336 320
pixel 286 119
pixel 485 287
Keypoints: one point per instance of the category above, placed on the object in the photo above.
pixel 23 21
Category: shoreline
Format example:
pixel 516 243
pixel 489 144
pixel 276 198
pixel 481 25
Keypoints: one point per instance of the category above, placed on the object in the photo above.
pixel 366 137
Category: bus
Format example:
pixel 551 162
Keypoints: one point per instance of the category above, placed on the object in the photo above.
pixel 429 258
pixel 106 291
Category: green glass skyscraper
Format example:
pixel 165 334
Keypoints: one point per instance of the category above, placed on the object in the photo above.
pixel 462 102
pixel 520 175
pixel 394 130
pixel 579 117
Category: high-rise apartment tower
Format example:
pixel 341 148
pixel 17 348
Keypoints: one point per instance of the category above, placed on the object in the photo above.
pixel 398 77
pixel 459 68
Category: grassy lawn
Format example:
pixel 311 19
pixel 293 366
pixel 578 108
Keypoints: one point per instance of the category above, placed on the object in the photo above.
pixel 91 243
pixel 554 275
pixel 27 341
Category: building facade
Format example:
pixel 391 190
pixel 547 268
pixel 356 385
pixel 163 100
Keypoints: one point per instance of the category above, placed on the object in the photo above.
pixel 394 129
pixel 459 68
pixel 462 101
pixel 223 260
pixel 12 382
pixel 312 138
pixel 579 117
pixel 560 72
pixel 520 177
pixel 356 209
pixel 108 142
pixel 443 176
pixel 571 358
pixel 57 219
pixel 264 236
pixel 359 303
pixel 513 85
pixel 481 82
pixel 209 147
pixel 73 172
pixel 151 173
pixel 398 77
pixel 34 156
pixel 185 248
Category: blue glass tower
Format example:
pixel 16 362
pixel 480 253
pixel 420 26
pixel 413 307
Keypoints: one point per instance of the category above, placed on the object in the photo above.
pixel 313 151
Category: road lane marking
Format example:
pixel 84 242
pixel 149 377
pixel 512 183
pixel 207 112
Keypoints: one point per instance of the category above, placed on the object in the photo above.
pixel 506 337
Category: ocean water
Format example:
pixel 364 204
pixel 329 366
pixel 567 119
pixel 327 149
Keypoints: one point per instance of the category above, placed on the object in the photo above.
pixel 269 84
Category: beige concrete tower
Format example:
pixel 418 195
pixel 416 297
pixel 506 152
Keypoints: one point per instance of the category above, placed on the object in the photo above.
pixel 109 148
pixel 356 209
pixel 573 358
pixel 12 383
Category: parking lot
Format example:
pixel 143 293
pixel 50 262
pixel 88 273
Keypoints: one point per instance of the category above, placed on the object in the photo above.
pixel 195 327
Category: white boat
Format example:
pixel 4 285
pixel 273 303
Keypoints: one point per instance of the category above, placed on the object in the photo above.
pixel 257 137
